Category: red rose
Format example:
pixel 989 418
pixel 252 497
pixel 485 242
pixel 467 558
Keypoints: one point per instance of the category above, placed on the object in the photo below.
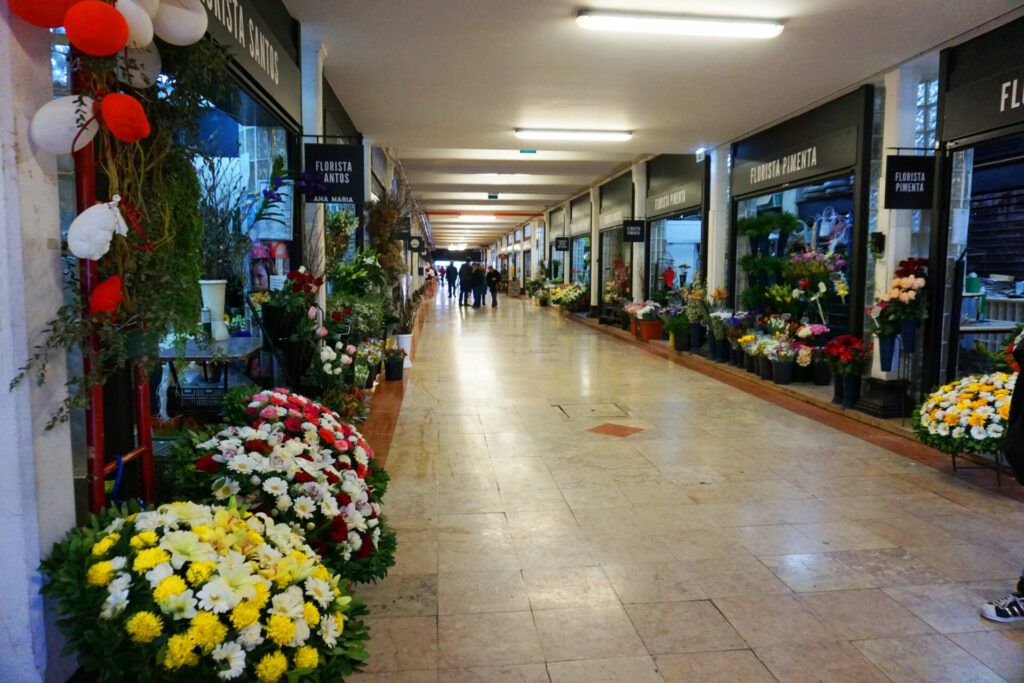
pixel 293 424
pixel 348 311
pixel 367 547
pixel 208 464
pixel 252 410
pixel 336 316
pixel 342 499
pixel 339 530
pixel 257 446
pixel 326 435
pixel 361 471
pixel 303 477
pixel 278 401
pixel 331 477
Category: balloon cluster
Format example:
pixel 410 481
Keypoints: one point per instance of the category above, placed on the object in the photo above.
pixel 124 30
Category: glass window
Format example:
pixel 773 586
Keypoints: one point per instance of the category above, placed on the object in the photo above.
pixel 518 236
pixel 579 262
pixel 527 264
pixel 616 265
pixel 674 251
pixel 539 242
pixel 527 231
pixel 555 259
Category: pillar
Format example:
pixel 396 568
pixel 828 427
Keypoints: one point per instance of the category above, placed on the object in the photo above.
pixel 313 55
pixel 719 214
pixel 36 491
pixel 639 212
pixel 595 247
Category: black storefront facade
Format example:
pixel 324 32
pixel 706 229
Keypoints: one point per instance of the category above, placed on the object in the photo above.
pixel 579 240
pixel 558 244
pixel 815 166
pixel 979 206
pixel 615 254
pixel 677 221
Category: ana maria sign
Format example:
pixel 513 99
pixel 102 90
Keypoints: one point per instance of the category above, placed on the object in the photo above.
pixel 239 25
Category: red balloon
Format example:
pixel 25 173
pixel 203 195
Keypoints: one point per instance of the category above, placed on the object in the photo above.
pixel 107 296
pixel 48 14
pixel 124 117
pixel 96 28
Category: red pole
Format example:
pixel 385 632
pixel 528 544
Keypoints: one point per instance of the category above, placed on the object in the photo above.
pixel 144 422
pixel 85 196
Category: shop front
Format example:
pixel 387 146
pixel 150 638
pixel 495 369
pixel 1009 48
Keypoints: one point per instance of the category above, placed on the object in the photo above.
pixel 579 246
pixel 557 237
pixel 977 269
pixel 800 215
pixel 677 221
pixel 615 281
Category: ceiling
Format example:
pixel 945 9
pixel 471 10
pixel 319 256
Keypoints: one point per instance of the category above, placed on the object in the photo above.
pixel 444 84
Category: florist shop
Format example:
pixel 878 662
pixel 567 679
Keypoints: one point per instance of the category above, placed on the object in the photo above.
pixel 557 237
pixel 978 249
pixel 800 206
pixel 579 247
pixel 677 221
pixel 615 281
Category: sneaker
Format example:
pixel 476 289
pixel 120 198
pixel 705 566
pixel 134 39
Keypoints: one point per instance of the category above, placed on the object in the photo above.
pixel 1008 609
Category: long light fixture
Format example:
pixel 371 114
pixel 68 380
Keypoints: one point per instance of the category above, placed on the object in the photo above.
pixel 476 218
pixel 679 24
pixel 573 135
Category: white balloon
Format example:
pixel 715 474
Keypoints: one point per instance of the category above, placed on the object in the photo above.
pixel 144 71
pixel 140 25
pixel 181 22
pixel 151 6
pixel 55 126
pixel 90 233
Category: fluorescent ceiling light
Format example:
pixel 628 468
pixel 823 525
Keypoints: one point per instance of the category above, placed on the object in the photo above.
pixel 456 247
pixel 721 27
pixel 573 135
pixel 476 218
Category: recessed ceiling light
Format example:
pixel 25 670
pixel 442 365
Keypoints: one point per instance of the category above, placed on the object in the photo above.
pixel 573 135
pixel 686 25
pixel 476 218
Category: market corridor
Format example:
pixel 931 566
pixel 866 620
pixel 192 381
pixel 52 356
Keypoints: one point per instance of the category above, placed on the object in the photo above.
pixel 571 508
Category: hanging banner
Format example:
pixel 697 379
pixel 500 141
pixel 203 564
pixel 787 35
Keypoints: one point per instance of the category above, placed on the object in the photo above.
pixel 909 182
pixel 561 244
pixel 634 231
pixel 335 174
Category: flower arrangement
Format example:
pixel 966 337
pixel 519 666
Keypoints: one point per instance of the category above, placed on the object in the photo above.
pixel 968 415
pixel 300 463
pixel 748 342
pixel 812 334
pixel 193 592
pixel 369 352
pixel 568 295
pixel 648 310
pixel 736 327
pixel 299 290
pixel 848 354
pixel 785 352
pixel 805 355
pixel 393 353
pixel 717 321
pixel 778 325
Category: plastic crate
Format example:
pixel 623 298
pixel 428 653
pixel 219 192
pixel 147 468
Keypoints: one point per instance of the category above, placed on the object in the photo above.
pixel 201 400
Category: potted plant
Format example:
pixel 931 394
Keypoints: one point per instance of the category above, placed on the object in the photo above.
pixel 544 296
pixel 783 362
pixel 677 325
pixel 394 361
pixel 648 320
pixel 848 356
pixel 406 311
pixel 748 343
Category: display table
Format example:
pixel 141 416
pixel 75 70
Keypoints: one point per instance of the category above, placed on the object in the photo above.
pixel 203 400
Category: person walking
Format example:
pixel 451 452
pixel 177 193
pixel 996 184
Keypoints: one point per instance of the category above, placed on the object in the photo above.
pixel 493 278
pixel 479 285
pixel 465 283
pixel 451 274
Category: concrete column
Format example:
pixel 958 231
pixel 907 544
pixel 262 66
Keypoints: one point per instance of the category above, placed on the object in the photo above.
pixel 313 55
pixel 36 491
pixel 565 256
pixel 595 246
pixel 639 212
pixel 537 254
pixel 895 224
pixel 719 213
pixel 361 239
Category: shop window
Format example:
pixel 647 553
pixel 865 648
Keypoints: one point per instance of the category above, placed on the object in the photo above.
pixel 527 264
pixel 616 265
pixel 539 242
pixel 674 251
pixel 527 232
pixel 579 261
pixel 555 258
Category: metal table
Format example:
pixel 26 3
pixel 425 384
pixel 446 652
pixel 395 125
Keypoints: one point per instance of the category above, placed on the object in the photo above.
pixel 207 353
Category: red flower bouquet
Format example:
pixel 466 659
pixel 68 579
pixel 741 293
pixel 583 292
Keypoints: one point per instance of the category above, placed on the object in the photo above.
pixel 847 354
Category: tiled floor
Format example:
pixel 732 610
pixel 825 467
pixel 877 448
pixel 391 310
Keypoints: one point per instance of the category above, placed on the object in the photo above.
pixel 727 539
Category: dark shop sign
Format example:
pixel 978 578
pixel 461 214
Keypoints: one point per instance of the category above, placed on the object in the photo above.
pixel 909 182
pixel 633 231
pixel 832 152
pixel 674 182
pixel 334 174
pixel 561 244
pixel 238 25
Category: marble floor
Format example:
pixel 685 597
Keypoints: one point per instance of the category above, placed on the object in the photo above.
pixel 571 508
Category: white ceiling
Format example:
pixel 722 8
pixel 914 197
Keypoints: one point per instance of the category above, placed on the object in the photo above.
pixel 443 83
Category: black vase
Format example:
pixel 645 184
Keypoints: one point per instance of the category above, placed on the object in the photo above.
pixel 851 390
pixel 296 357
pixel 822 374
pixel 723 349
pixel 751 362
pixel 696 337
pixel 837 389
pixel 782 373
pixel 803 374
pixel 764 367
pixel 394 369
pixel 681 341
pixel 886 351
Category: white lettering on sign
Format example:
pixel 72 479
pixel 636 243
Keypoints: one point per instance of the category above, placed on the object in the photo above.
pixel 611 218
pixel 671 199
pixel 580 224
pixel 910 181
pixel 1011 95
pixel 231 15
pixel 334 171
pixel 791 163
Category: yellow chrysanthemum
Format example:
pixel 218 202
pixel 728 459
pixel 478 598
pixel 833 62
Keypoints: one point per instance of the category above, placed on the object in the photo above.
pixel 199 572
pixel 100 574
pixel 144 627
pixel 280 629
pixel 202 531
pixel 298 556
pixel 321 573
pixel 168 588
pixel 1004 411
pixel 311 614
pixel 952 419
pixel 244 614
pixel 272 667
pixel 149 558
pixel 976 420
pixel 339 620
pixel 180 652
pixel 103 546
pixel 144 539
pixel 262 596
pixel 307 657
pixel 207 630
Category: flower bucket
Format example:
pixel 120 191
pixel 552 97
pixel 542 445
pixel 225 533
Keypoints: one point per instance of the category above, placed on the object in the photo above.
pixel 739 358
pixel 782 373
pixel 650 329
pixel 886 351
pixel 405 343
pixel 837 389
pixel 298 356
pixel 681 341
pixel 764 368
pixel 908 335
pixel 632 327
pixel 213 292
pixel 803 374
pixel 696 337
pixel 394 369
pixel 782 243
pixel 724 351
pixel 750 361
pixel 851 390
pixel 822 374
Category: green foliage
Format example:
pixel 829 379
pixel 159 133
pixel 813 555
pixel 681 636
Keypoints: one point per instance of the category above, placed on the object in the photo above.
pixel 679 324
pixel 339 226
pixel 360 275
pixel 375 567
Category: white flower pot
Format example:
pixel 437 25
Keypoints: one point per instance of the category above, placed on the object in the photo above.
pixel 405 343
pixel 213 292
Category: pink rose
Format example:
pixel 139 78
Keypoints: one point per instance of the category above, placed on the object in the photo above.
pixel 312 312
pixel 269 413
pixel 350 350
pixel 322 332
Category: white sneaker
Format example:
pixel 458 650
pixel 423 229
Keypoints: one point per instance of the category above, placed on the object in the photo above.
pixel 1006 610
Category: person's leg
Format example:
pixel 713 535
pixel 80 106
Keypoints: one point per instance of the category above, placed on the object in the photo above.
pixel 494 296
pixel 1008 609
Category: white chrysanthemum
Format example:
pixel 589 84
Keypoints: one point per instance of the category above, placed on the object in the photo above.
pixel 185 546
pixel 942 429
pixel 288 604
pixel 329 630
pixel 329 507
pixel 301 633
pixel 275 486
pixel 355 540
pixel 251 636
pixel 232 654
pixel 241 464
pixel 958 433
pixel 979 433
pixel 282 502
pixel 217 596
pixel 304 507
pixel 115 603
pixel 180 606
pixel 159 573
pixel 319 591
pixel 995 431
pixel 226 488
pixel 114 525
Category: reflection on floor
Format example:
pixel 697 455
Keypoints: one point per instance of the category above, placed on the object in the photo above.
pixel 706 535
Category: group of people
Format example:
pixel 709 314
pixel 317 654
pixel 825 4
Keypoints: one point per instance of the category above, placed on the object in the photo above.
pixel 472 279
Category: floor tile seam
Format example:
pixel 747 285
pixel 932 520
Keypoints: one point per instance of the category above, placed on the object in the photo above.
pixel 944 636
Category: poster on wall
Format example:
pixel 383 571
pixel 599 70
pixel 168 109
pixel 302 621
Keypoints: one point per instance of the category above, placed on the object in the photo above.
pixel 334 174
pixel 909 182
